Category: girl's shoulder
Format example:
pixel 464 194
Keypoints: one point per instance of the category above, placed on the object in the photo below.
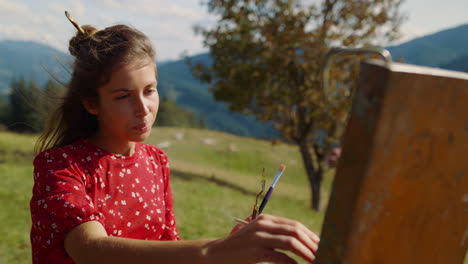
pixel 71 153
pixel 153 152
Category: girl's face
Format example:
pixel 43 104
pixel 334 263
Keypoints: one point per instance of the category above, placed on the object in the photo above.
pixel 128 104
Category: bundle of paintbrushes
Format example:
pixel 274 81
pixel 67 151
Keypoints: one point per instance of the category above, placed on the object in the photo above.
pixel 256 209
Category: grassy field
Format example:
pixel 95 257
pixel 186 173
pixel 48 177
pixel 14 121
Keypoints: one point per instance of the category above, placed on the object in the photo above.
pixel 214 179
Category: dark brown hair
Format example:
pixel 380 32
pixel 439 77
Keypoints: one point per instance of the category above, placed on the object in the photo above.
pixel 97 54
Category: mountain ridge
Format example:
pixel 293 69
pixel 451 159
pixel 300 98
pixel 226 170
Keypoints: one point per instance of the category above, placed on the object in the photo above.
pixel 445 49
pixel 434 49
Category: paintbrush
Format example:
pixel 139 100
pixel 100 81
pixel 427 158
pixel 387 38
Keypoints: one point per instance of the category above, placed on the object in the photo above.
pixel 272 187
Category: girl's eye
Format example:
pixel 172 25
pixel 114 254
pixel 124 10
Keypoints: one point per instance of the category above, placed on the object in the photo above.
pixel 150 91
pixel 122 97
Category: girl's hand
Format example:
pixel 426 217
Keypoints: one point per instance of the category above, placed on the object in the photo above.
pixel 258 241
pixel 239 226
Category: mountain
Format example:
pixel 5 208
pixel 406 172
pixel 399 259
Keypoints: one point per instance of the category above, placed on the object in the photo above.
pixel 177 82
pixel 446 49
pixel 458 64
pixel 435 49
pixel 41 62
pixel 31 60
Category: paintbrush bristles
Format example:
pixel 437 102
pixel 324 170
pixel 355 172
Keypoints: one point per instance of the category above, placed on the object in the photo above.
pixel 282 167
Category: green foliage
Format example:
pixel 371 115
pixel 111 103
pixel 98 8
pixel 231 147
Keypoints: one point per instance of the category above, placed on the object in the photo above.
pixel 177 83
pixel 53 93
pixel 26 107
pixel 170 114
pixel 267 58
pixel 4 111
pixel 29 105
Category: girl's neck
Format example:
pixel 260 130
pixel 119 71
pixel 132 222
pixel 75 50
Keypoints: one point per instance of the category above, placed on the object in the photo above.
pixel 109 144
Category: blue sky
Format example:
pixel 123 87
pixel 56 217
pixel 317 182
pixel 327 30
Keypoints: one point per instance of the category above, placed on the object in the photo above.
pixel 169 23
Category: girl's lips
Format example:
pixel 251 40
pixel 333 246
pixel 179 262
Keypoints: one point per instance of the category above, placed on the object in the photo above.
pixel 142 127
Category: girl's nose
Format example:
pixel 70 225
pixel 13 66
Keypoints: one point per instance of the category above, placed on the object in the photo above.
pixel 141 107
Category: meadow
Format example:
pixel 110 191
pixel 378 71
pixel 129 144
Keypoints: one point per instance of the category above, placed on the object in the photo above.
pixel 214 178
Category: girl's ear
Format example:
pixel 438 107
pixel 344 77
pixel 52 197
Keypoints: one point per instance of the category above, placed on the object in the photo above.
pixel 90 106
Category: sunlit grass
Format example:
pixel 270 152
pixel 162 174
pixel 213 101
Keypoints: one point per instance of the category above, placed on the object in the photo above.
pixel 212 185
pixel 15 192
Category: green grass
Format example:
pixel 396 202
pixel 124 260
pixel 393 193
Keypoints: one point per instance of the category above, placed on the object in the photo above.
pixel 242 166
pixel 212 185
pixel 15 192
pixel 16 157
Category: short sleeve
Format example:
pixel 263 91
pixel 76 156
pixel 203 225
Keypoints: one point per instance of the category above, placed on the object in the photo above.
pixel 59 201
pixel 171 232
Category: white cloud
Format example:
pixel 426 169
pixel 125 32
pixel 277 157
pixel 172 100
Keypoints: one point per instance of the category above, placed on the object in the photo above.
pixel 74 7
pixel 9 8
pixel 11 31
pixel 20 22
pixel 105 20
pixel 77 7
pixel 411 31
pixel 110 4
pixel 168 23
pixel 169 11
pixel 56 7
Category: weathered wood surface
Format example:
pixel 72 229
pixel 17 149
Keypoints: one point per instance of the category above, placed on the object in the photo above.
pixel 400 193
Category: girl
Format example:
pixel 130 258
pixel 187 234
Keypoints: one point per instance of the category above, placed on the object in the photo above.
pixel 102 196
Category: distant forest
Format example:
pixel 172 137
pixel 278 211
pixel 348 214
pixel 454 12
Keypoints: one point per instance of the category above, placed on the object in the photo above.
pixel 26 108
pixel 190 101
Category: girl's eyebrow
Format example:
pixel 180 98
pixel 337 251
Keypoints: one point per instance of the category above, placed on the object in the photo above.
pixel 152 83
pixel 129 90
pixel 121 90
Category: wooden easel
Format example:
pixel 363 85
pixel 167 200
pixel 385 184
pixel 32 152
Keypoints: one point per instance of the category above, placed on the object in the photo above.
pixel 400 193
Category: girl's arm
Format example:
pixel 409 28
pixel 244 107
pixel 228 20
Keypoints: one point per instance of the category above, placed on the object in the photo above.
pixel 89 243
pixel 256 242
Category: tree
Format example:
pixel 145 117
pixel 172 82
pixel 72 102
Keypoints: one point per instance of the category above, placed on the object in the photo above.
pixel 4 112
pixel 53 93
pixel 170 114
pixel 267 57
pixel 26 107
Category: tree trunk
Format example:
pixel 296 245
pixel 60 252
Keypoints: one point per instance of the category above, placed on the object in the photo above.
pixel 316 188
pixel 314 175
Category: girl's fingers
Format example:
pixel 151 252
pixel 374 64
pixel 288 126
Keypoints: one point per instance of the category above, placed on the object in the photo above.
pixel 236 228
pixel 297 224
pixel 293 231
pixel 241 224
pixel 267 233
pixel 286 221
pixel 286 242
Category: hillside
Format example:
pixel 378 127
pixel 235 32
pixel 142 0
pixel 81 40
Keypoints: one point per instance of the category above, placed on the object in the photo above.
pixel 41 62
pixel 434 49
pixel 176 81
pixel 458 64
pixel 31 60
pixel 444 49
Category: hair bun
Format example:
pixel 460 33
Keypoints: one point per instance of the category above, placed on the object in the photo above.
pixel 81 41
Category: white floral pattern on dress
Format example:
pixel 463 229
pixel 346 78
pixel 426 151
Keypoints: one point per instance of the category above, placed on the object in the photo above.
pixel 66 194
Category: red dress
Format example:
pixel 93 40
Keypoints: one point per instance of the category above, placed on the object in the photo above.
pixel 129 196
